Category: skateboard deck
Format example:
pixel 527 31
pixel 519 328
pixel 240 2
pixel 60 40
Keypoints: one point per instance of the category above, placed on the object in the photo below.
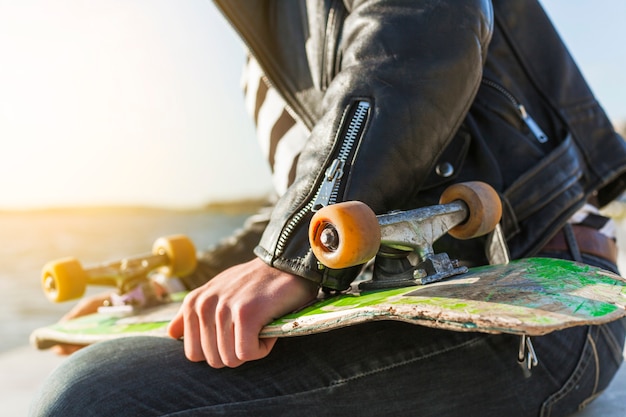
pixel 102 326
pixel 532 297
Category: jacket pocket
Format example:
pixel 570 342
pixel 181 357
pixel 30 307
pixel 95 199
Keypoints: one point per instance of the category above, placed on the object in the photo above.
pixel 507 139
pixel 509 123
pixel 512 109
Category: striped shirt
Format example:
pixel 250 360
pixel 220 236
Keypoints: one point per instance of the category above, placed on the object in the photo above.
pixel 280 136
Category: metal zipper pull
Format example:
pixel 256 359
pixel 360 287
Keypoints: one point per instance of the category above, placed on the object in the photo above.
pixel 328 188
pixel 526 354
pixel 532 125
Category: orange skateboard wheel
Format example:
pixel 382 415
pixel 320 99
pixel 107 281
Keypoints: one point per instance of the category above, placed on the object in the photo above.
pixel 180 251
pixel 64 280
pixel 344 234
pixel 483 202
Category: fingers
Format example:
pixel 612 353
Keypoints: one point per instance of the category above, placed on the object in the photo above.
pixel 250 347
pixel 193 324
pixel 192 339
pixel 220 322
pixel 219 337
pixel 225 336
pixel 65 350
pixel 209 347
pixel 87 305
pixel 210 333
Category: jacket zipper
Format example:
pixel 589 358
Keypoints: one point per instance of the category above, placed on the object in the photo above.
pixel 526 118
pixel 328 191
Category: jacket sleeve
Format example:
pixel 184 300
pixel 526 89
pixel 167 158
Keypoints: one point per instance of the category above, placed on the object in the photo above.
pixel 408 72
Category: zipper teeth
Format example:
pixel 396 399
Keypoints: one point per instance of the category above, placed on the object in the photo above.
pixel 282 239
pixel 501 89
pixel 333 194
pixel 353 130
pixel 352 134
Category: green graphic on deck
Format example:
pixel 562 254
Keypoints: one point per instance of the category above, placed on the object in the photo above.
pixel 536 295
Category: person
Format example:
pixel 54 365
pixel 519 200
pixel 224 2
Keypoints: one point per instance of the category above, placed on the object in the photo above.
pixel 405 98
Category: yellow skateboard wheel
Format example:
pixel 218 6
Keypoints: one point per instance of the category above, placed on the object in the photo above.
pixel 344 234
pixel 180 251
pixel 64 280
pixel 483 202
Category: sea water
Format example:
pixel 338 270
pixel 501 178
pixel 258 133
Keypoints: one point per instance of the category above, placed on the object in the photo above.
pixel 30 239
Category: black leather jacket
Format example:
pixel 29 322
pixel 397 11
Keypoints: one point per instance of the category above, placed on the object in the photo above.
pixel 409 96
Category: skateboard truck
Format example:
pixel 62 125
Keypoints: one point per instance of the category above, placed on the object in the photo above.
pixel 407 237
pixel 66 279
pixel 349 234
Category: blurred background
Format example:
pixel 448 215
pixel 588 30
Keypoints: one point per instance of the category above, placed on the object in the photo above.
pixel 123 120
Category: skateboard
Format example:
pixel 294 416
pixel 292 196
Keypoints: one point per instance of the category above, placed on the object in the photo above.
pixel 532 296
pixel 404 280
pixel 108 324
pixel 141 295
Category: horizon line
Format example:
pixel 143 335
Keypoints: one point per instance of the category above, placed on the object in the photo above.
pixel 236 204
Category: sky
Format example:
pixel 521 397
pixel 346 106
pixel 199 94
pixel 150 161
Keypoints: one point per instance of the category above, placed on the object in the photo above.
pixel 138 102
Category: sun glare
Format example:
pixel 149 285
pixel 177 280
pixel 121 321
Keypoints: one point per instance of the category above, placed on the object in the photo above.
pixel 117 102
pixel 138 101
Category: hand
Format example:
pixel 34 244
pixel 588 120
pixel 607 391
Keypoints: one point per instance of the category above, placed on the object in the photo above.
pixel 85 306
pixel 221 320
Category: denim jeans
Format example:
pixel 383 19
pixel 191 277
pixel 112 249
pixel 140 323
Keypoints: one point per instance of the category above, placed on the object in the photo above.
pixel 373 369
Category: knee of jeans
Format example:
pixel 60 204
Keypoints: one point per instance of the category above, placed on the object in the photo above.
pixel 60 391
pixel 79 382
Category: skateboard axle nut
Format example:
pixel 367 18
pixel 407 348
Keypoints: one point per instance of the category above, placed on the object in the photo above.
pixel 329 238
pixel 49 284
